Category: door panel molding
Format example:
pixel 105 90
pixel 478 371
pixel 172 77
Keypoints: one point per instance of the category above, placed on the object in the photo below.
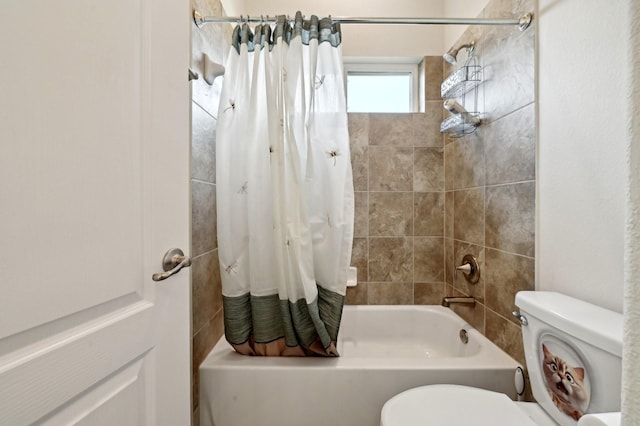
pixel 33 386
pixel 47 334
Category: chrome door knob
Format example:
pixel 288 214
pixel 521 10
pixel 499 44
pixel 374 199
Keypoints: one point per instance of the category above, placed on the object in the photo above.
pixel 172 262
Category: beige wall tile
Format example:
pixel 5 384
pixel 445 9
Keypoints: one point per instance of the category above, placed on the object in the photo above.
pixel 505 275
pixel 390 168
pixel 396 293
pixel 428 259
pixel 390 259
pixel 195 420
pixel 360 166
pixel 390 213
pixel 358 130
pixel 357 295
pixel 206 290
pixel 474 315
pixel 468 222
pixel 203 145
pixel 391 130
pixel 508 61
pixel 448 214
pixel 428 213
pixel 448 260
pixel 203 341
pixel 428 293
pixel 428 169
pixel 426 126
pixel 433 77
pixel 510 147
pixel 468 162
pixel 510 218
pixel 361 213
pixel 203 217
pixel 448 139
pixel 392 207
pixel 421 88
pixel 360 258
pixel 506 335
pixel 359 146
pixel 449 169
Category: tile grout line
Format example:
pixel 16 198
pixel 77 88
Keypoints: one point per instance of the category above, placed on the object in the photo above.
pixel 494 249
pixel 368 127
pixel 484 235
pixel 413 213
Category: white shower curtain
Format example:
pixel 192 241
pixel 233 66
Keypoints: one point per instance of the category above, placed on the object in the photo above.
pixel 284 188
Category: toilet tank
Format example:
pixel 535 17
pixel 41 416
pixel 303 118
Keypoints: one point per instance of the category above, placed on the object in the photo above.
pixel 573 351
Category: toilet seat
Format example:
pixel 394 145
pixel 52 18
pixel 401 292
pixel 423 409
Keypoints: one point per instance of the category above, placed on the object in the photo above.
pixel 452 405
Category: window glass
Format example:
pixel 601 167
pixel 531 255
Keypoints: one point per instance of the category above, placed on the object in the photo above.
pixel 379 92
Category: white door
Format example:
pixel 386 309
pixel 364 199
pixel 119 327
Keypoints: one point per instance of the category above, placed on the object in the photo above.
pixel 94 189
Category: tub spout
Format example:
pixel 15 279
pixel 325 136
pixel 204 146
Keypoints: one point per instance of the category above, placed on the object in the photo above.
pixel 446 301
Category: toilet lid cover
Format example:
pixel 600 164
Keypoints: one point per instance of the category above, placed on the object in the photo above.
pixel 452 405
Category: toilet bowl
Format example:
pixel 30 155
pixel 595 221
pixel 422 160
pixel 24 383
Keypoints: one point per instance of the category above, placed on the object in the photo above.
pixel 573 351
pixel 455 405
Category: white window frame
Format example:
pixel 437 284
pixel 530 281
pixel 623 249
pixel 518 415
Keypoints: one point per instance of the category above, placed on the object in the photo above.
pixel 371 68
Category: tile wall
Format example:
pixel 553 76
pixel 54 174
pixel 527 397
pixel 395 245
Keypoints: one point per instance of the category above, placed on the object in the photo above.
pixel 424 201
pixel 398 167
pixel 206 292
pixel 490 180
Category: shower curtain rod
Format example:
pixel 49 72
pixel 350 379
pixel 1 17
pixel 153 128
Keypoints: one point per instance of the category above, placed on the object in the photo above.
pixel 522 22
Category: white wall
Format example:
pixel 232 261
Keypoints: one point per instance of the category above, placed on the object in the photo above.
pixel 234 7
pixel 581 149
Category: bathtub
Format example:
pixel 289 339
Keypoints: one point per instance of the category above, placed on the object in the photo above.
pixel 384 350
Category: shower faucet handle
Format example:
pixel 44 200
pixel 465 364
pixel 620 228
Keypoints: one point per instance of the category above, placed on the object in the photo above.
pixel 469 268
pixel 465 269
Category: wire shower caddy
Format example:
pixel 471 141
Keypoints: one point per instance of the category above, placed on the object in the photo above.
pixel 459 84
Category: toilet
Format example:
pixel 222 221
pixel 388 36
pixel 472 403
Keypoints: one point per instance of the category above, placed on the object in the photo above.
pixel 573 351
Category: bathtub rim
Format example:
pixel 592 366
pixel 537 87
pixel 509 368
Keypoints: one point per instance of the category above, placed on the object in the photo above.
pixel 490 355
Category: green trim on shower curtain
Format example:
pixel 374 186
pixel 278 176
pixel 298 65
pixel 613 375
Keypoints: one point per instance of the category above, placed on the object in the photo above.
pixel 323 30
pixel 330 306
pixel 268 318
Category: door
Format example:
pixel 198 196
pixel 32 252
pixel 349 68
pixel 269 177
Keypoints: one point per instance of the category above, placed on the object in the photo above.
pixel 94 189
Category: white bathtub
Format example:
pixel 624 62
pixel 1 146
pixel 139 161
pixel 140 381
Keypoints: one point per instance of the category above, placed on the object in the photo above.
pixel 384 350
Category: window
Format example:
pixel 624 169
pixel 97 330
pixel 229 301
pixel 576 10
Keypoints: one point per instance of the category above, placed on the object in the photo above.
pixel 381 87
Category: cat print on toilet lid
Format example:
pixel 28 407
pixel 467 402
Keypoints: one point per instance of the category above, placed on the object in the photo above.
pixel 566 377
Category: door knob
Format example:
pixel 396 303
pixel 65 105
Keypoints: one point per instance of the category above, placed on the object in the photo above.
pixel 172 262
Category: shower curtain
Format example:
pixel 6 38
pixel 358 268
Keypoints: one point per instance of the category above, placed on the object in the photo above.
pixel 284 188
